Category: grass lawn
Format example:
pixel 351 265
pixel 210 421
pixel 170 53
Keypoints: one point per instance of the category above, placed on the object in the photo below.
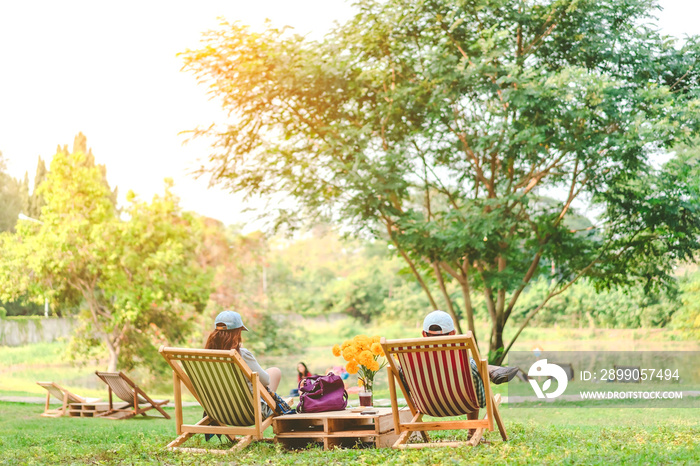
pixel 570 435
pixel 562 434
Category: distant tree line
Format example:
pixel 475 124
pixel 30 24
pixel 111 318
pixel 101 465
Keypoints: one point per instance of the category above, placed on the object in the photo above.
pixel 323 273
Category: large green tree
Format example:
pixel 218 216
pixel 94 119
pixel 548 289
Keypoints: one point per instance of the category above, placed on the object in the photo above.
pixel 471 134
pixel 136 282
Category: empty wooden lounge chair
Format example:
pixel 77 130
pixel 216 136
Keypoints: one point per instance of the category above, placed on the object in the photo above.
pixel 138 401
pixel 218 379
pixel 438 383
pixel 64 395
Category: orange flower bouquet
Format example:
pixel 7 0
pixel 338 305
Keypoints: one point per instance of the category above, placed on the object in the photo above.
pixel 365 357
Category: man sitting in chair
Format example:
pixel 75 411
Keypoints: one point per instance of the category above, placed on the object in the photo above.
pixel 438 324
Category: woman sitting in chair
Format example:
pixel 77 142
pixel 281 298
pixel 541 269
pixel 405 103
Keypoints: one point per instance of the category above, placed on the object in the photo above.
pixel 228 328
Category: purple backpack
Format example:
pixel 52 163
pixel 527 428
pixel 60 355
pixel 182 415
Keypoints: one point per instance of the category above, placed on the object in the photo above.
pixel 321 393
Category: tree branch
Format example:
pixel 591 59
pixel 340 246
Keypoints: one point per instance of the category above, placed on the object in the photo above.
pixel 526 280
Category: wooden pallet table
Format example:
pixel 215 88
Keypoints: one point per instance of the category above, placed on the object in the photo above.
pixel 338 428
pixel 89 409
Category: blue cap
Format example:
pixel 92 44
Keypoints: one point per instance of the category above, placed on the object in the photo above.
pixel 231 319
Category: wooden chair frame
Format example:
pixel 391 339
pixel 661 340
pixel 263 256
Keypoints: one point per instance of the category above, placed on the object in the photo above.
pixel 208 425
pixel 405 429
pixel 67 398
pixel 133 408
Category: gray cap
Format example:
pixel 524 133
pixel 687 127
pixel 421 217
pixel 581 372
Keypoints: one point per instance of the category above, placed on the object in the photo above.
pixel 440 318
pixel 231 319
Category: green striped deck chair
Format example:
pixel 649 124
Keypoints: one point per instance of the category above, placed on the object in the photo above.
pixel 64 395
pixel 435 377
pixel 219 381
pixel 125 389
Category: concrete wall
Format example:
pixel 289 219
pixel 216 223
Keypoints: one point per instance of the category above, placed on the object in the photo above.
pixel 23 331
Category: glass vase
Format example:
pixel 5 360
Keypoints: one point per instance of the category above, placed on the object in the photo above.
pixel 366 398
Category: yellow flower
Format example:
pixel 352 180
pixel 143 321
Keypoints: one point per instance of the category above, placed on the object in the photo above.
pixel 365 357
pixel 373 366
pixel 352 367
pixel 376 339
pixel 360 383
pixel 336 350
pixel 345 344
pixel 349 353
pixel 362 342
pixel 377 349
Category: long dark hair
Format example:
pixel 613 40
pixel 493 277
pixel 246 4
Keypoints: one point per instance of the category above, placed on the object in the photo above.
pixel 223 339
pixel 306 370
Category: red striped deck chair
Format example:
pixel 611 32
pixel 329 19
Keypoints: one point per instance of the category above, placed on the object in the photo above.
pixel 438 383
pixel 139 402
pixel 218 379
pixel 64 395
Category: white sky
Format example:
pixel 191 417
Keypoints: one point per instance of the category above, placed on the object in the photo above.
pixel 110 70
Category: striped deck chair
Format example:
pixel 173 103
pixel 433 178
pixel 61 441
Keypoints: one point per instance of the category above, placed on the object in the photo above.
pixel 438 383
pixel 64 395
pixel 139 402
pixel 218 379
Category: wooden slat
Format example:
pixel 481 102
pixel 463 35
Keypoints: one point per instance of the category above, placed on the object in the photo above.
pixel 344 414
pixel 403 438
pixel 199 450
pixel 177 392
pixel 353 433
pixel 394 401
pixel 176 353
pixel 257 415
pixel 427 349
pixel 178 441
pixel 265 424
pixel 476 437
pixel 497 416
pixel 444 425
pixel 327 443
pixel 309 434
pixel 484 371
pixel 321 434
pixel 431 340
pixel 218 430
pixel 418 446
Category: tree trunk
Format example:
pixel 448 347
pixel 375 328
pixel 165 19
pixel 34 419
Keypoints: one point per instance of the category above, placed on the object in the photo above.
pixel 466 295
pixel 113 357
pixel 469 310
pixel 496 341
